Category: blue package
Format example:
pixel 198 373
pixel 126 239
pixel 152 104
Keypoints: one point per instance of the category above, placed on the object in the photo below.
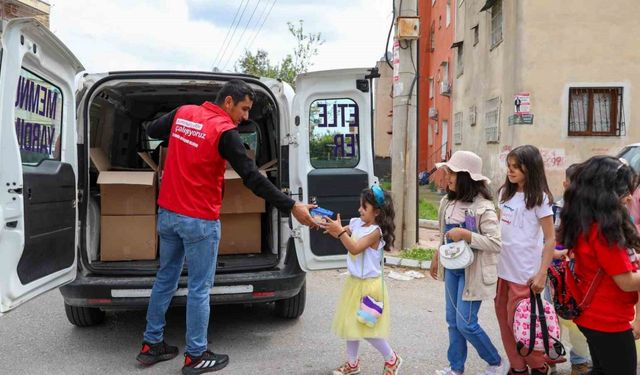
pixel 319 211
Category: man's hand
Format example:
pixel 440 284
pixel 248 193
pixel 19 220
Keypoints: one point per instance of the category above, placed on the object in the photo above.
pixel 301 212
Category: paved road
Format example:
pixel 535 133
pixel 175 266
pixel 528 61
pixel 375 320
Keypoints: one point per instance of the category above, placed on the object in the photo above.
pixel 37 339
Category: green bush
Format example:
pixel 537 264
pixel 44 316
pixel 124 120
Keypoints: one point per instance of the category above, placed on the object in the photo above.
pixel 418 253
pixel 427 210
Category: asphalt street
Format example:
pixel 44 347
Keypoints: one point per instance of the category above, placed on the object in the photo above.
pixel 38 339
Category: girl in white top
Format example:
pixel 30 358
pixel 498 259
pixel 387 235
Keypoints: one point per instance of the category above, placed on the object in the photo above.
pixel 365 239
pixel 528 240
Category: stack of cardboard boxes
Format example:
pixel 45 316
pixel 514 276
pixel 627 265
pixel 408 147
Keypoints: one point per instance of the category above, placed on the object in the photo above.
pixel 240 217
pixel 128 211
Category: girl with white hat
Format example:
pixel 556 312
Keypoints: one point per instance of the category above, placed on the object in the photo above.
pixel 468 214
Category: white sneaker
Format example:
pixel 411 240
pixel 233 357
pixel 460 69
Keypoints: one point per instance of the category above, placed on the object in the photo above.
pixel 446 371
pixel 501 369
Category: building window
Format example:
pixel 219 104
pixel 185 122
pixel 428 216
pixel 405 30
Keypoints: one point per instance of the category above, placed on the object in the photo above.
pixel 431 88
pixel 448 13
pixel 439 22
pixel 496 24
pixel 433 36
pixel 460 60
pixel 476 35
pixel 457 128
pixel 491 121
pixel 445 134
pixel 445 71
pixel 596 111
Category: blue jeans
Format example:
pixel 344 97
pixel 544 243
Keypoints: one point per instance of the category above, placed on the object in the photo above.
pixel 462 319
pixel 198 240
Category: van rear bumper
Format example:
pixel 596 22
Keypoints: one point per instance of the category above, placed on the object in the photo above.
pixel 131 292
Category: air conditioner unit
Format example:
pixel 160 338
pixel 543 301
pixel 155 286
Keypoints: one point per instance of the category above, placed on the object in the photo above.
pixel 472 115
pixel 445 88
pixel 433 113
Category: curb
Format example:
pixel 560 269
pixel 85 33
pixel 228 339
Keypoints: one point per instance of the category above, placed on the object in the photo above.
pixel 429 224
pixel 408 263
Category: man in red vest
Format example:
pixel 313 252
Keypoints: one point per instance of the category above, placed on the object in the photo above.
pixel 201 140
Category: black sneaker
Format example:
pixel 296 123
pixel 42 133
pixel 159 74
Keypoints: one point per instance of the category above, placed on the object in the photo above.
pixel 207 362
pixel 153 353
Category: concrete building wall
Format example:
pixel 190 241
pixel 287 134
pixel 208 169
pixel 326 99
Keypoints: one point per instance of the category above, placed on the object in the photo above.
pixel 548 47
pixel 488 74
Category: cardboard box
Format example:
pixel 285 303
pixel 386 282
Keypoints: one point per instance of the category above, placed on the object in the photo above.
pixel 125 192
pixel 128 238
pixel 238 198
pixel 241 234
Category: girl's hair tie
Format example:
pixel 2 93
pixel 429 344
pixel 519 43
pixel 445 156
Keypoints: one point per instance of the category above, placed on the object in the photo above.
pixel 378 194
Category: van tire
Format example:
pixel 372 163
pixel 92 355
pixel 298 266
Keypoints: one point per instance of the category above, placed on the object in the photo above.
pixel 292 308
pixel 83 316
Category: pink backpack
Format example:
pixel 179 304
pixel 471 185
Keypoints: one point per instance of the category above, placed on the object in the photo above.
pixel 536 327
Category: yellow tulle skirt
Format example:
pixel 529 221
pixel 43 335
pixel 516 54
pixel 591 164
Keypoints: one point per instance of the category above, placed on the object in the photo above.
pixel 345 322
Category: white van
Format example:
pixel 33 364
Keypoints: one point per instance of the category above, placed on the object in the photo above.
pixel 53 114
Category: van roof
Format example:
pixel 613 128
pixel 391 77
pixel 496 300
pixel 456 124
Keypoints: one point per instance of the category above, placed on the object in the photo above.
pixel 185 72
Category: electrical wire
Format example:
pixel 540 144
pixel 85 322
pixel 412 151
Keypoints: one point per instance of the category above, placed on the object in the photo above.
pixel 386 46
pixel 226 36
pixel 233 33
pixel 262 24
pixel 246 26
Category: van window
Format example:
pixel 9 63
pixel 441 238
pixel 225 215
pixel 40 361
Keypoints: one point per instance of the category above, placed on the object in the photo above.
pixel 38 122
pixel 334 140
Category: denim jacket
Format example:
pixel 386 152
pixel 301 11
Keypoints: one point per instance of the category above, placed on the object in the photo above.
pixel 482 275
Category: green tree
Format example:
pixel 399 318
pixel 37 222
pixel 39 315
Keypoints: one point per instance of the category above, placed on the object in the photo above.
pixel 299 61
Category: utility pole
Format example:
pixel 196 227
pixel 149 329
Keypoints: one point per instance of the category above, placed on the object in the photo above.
pixel 404 141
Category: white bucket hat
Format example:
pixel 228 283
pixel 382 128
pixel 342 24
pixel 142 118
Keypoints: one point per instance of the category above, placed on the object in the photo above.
pixel 465 161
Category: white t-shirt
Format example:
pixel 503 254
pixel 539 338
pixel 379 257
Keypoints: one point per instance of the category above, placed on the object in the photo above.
pixel 371 266
pixel 522 238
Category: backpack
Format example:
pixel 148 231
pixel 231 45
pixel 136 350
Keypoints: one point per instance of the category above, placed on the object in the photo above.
pixel 536 327
pixel 568 299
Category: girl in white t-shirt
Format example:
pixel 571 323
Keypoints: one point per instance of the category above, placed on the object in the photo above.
pixel 365 238
pixel 528 240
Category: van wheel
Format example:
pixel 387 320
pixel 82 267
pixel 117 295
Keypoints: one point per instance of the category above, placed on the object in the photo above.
pixel 292 308
pixel 83 316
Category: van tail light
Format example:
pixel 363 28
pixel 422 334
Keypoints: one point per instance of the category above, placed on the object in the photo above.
pixel 99 301
pixel 263 294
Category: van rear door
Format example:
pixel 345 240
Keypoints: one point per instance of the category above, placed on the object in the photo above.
pixel 330 155
pixel 38 231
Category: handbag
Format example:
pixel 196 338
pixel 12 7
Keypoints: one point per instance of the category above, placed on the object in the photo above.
pixel 370 309
pixel 536 327
pixel 456 255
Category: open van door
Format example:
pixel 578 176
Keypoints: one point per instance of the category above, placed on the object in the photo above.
pixel 38 163
pixel 330 155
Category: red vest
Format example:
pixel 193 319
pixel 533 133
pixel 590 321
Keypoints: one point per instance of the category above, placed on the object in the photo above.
pixel 193 177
